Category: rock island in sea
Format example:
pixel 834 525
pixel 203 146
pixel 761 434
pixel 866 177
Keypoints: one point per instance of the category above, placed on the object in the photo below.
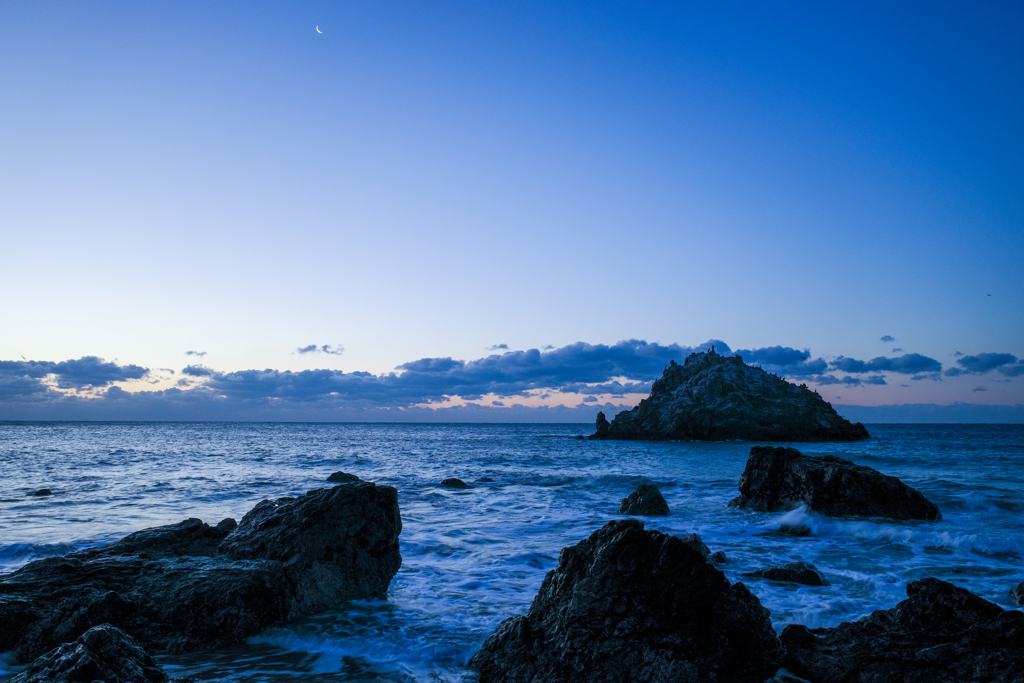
pixel 711 397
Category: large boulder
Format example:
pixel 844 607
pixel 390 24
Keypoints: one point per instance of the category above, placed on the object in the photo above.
pixel 190 586
pixel 784 478
pixel 647 500
pixel 940 634
pixel 103 653
pixel 632 605
pixel 711 397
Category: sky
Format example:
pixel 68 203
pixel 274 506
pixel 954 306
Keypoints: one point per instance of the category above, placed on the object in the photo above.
pixel 434 208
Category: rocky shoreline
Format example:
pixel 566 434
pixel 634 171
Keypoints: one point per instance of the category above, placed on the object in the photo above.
pixel 624 604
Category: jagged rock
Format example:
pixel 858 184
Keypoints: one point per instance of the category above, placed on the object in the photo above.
pixel 1017 593
pixel 342 478
pixel 792 572
pixel 601 427
pixel 695 542
pixel 784 478
pixel 190 586
pixel 454 483
pixel 718 557
pixel 715 398
pixel 629 604
pixel 646 499
pixel 226 525
pixel 103 653
pixel 940 634
pixel 42 492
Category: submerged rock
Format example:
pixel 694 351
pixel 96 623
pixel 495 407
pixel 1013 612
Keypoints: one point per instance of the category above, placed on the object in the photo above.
pixel 1017 593
pixel 103 653
pixel 716 398
pixel 940 634
pixel 342 478
pixel 454 483
pixel 792 572
pixel 646 499
pixel 784 478
pixel 629 604
pixel 190 586
pixel 42 492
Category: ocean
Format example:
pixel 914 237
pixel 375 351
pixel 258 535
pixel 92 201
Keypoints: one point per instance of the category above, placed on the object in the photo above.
pixel 473 557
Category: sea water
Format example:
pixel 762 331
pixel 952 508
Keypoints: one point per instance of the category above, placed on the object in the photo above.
pixel 471 558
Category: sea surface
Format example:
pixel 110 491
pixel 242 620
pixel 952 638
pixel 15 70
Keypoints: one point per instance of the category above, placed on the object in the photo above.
pixel 473 557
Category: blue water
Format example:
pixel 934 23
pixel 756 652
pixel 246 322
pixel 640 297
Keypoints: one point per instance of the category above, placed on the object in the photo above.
pixel 472 558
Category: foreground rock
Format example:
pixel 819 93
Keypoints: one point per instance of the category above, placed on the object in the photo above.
pixel 940 634
pixel 645 500
pixel 784 478
pixel 628 604
pixel 191 586
pixel 716 398
pixel 103 653
pixel 792 572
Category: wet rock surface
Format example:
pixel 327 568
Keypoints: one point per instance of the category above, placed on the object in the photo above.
pixel 646 499
pixel 628 604
pixel 792 572
pixel 454 483
pixel 784 478
pixel 940 634
pixel 715 398
pixel 190 586
pixel 342 478
pixel 1017 593
pixel 103 653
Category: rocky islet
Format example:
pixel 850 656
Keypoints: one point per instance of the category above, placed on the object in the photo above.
pixel 711 397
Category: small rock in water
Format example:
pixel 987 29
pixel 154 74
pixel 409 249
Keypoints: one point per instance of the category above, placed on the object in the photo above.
pixel 792 572
pixel 719 557
pixel 940 634
pixel 795 529
pixel 784 479
pixel 103 653
pixel 42 492
pixel 1017 593
pixel 454 483
pixel 645 500
pixel 628 604
pixel 601 426
pixel 342 478
pixel 580 437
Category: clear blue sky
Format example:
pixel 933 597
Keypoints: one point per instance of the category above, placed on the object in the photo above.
pixel 429 180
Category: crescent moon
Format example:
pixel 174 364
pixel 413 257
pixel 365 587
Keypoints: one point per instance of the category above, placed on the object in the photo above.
pixel 318 29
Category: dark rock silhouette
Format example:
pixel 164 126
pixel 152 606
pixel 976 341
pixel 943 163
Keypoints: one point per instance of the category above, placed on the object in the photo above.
pixel 190 586
pixel 454 483
pixel 940 634
pixel 1017 593
pixel 792 572
pixel 42 492
pixel 784 478
pixel 601 427
pixel 715 398
pixel 718 557
pixel 342 478
pixel 629 604
pixel 646 499
pixel 103 653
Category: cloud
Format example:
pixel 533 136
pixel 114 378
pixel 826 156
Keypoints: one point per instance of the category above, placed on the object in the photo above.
pixel 166 370
pixel 498 347
pixel 979 388
pixel 784 360
pixel 195 353
pixel 1006 363
pixel 197 371
pixel 875 379
pixel 888 338
pixel 497 403
pixel 26 378
pixel 323 348
pixel 906 364
pixel 897 350
pixel 825 380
